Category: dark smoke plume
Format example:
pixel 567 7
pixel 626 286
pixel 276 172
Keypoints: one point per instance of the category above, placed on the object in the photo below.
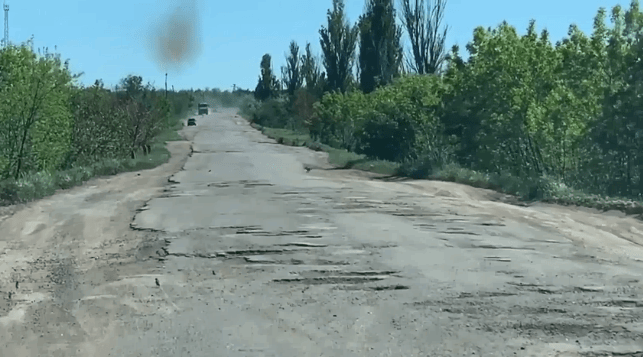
pixel 175 39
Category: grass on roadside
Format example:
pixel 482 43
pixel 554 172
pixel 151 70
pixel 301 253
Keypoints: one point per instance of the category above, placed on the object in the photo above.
pixel 537 189
pixel 38 185
pixel 340 158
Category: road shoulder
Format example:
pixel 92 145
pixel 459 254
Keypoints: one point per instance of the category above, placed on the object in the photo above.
pixel 59 255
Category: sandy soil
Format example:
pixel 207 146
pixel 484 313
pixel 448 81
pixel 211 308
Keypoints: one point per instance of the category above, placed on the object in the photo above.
pixel 233 249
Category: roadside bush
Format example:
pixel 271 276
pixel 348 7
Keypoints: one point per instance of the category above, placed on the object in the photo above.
pixel 427 161
pixel 249 109
pixel 245 102
pixel 302 104
pixel 387 135
pixel 99 128
pixel 9 190
pixel 272 113
pixel 181 102
pixel 420 168
pixel 337 118
pixel 35 184
pixel 401 121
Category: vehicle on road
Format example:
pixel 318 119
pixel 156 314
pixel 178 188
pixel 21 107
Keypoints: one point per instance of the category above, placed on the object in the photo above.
pixel 203 109
pixel 191 122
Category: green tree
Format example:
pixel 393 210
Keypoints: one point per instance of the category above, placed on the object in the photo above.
pixel 380 56
pixel 423 23
pixel 575 101
pixel 99 129
pixel 35 118
pixel 338 41
pixel 268 85
pixel 497 99
pixel 132 85
pixel 311 72
pixel 145 112
pixel 619 131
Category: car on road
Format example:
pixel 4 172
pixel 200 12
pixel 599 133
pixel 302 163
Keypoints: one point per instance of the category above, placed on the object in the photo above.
pixel 191 122
pixel 203 108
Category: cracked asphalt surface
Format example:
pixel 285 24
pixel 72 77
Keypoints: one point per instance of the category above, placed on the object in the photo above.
pixel 233 248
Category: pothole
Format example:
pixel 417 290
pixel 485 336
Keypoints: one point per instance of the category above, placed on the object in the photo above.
pixel 220 185
pixel 261 259
pixel 559 329
pixel 548 291
pixel 265 259
pixel 522 310
pixel 390 287
pixel 376 288
pixel 322 273
pixel 485 294
pixel 331 280
pixel 489 246
pixel 401 214
pixel 257 251
pixel 257 231
pixel 590 289
pixel 499 259
pixel 425 225
pixel 460 232
pixel 255 184
pixel 627 303
pixel 637 353
pixel 526 285
pixel 350 252
pixel 141 229
pixel 304 244
pixel 234 253
pixel 244 183
pixel 490 224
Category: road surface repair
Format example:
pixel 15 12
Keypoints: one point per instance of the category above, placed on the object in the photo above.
pixel 234 248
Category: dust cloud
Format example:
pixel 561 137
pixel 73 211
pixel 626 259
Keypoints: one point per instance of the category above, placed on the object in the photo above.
pixel 175 39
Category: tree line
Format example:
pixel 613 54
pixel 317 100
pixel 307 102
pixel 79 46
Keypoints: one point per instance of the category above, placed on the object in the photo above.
pixel 566 113
pixel 50 123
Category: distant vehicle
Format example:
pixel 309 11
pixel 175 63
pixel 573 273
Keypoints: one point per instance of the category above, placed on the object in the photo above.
pixel 203 108
pixel 191 122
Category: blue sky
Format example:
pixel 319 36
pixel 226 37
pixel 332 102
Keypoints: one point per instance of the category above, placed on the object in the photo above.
pixel 110 39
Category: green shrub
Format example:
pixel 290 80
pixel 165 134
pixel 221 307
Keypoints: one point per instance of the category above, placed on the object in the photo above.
pixel 387 136
pixel 35 185
pixel 392 123
pixel 9 192
pixel 337 118
pixel 272 113
pixel 420 168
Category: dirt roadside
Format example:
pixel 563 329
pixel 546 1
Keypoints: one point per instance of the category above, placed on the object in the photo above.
pixel 58 252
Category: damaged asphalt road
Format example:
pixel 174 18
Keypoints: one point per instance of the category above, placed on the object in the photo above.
pixel 234 248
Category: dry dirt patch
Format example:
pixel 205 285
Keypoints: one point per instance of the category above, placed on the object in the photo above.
pixel 56 253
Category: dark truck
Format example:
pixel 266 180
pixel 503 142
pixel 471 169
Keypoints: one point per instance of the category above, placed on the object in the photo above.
pixel 203 109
